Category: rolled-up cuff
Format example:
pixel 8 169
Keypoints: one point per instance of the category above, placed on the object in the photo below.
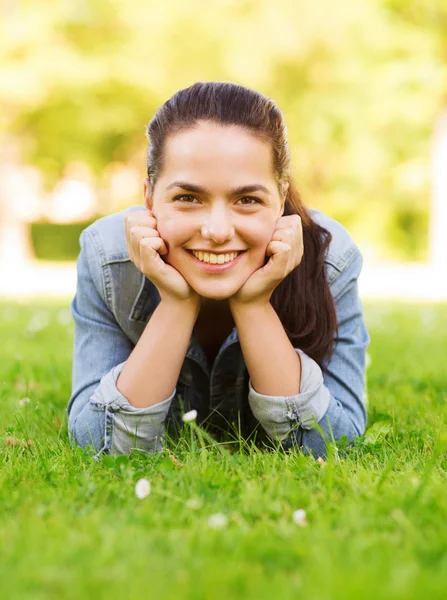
pixel 131 427
pixel 279 414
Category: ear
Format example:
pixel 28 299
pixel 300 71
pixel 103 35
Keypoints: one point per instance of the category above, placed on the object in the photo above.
pixel 147 193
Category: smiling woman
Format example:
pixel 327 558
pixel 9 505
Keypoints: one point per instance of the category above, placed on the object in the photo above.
pixel 224 294
pixel 200 199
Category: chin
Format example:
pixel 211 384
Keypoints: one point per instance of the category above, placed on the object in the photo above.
pixel 214 292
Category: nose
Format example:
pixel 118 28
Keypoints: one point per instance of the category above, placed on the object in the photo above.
pixel 218 226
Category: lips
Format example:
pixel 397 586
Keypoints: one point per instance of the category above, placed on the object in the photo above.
pixel 215 259
pixel 215 268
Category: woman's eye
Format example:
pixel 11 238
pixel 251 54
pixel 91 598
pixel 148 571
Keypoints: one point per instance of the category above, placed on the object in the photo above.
pixel 245 201
pixel 186 198
pixel 251 199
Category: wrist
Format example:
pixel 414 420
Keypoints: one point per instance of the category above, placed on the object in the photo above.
pixel 184 305
pixel 239 308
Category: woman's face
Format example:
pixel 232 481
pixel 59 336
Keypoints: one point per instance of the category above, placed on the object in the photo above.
pixel 199 207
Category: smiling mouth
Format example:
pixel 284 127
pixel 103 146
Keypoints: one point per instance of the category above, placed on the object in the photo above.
pixel 215 259
pixel 206 266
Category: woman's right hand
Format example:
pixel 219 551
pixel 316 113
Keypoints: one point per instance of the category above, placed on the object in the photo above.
pixel 145 248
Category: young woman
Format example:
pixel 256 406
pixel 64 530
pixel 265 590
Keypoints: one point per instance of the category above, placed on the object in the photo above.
pixel 225 294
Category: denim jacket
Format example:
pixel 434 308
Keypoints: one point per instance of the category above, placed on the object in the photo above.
pixel 111 308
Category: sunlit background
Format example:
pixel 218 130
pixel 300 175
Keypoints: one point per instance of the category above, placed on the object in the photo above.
pixel 362 84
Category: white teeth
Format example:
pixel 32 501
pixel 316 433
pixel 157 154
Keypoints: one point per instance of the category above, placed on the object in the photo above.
pixel 214 259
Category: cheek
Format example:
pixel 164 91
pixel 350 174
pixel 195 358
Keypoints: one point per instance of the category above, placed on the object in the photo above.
pixel 172 230
pixel 166 231
pixel 258 235
pixel 259 228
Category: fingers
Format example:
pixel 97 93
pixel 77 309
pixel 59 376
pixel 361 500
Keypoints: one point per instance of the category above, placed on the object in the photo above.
pixel 150 261
pixel 278 265
pixel 290 231
pixel 139 218
pixel 138 234
pixel 147 257
pixel 277 247
pixel 155 242
pixel 135 235
pixel 288 221
pixel 283 235
pixel 287 250
pixel 141 225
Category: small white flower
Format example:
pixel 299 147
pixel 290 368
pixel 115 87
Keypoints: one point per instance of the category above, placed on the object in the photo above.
pixel 142 488
pixel 24 401
pixel 321 461
pixel 194 503
pixel 190 416
pixel 218 521
pixel 299 516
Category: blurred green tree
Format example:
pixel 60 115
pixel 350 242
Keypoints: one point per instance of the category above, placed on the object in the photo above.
pixel 360 84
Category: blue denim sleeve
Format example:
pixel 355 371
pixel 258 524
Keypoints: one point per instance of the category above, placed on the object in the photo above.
pixel 98 414
pixel 334 398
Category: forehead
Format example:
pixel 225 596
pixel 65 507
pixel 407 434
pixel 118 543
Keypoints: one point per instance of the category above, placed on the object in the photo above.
pixel 221 152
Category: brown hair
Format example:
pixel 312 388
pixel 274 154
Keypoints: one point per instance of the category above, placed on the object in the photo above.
pixel 303 300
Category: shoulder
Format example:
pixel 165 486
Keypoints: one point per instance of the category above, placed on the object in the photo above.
pixel 109 237
pixel 343 257
pixel 127 293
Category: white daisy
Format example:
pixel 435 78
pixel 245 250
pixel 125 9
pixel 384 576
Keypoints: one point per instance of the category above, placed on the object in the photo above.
pixel 299 516
pixel 194 503
pixel 142 488
pixel 190 416
pixel 218 521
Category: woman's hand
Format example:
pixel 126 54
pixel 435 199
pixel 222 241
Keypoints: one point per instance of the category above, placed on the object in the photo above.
pixel 146 248
pixel 285 251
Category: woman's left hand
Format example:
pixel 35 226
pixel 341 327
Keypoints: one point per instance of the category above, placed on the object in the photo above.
pixel 285 250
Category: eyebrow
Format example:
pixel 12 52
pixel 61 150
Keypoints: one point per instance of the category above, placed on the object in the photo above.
pixel 197 189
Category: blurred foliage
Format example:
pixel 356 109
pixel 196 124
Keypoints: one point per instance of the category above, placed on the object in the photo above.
pixel 360 83
pixel 56 241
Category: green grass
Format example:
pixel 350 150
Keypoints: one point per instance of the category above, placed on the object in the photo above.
pixel 71 527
